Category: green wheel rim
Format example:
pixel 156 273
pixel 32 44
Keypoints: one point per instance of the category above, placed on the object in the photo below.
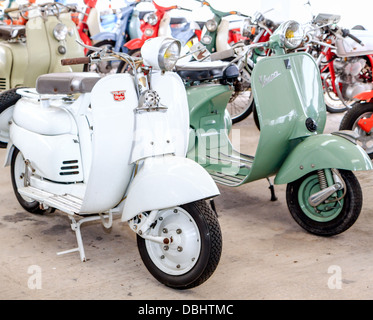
pixel 326 212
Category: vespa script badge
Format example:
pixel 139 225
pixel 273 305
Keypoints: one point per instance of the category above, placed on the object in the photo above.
pixel 119 95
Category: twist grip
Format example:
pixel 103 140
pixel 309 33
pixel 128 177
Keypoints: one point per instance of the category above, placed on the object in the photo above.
pixel 71 61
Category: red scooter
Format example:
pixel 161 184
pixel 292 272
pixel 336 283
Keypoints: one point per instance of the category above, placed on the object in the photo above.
pixel 345 58
pixel 154 24
pixel 359 118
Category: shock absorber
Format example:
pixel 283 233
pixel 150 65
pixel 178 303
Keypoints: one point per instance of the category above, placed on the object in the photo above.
pixel 322 179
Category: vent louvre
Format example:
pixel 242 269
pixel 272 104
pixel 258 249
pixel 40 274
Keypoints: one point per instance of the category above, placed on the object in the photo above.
pixel 2 84
pixel 68 169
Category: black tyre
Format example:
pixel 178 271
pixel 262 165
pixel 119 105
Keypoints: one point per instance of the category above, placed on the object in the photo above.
pixel 350 122
pixel 104 67
pixel 124 66
pixel 17 173
pixel 193 255
pixel 332 102
pixel 8 98
pixel 241 103
pixel 330 218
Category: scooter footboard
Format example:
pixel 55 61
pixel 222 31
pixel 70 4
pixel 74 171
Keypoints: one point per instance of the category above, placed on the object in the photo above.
pixel 321 152
pixel 165 182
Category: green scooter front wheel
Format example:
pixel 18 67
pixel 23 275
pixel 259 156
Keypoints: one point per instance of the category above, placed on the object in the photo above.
pixel 330 217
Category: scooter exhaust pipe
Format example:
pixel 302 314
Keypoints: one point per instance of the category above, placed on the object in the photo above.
pixel 319 197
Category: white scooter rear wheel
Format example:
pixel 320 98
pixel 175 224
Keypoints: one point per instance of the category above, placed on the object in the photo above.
pixel 193 255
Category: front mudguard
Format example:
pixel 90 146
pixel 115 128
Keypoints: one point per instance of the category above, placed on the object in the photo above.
pixel 134 44
pixel 166 182
pixel 321 152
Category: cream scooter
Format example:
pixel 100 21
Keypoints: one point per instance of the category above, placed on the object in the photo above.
pixel 28 51
pixel 95 147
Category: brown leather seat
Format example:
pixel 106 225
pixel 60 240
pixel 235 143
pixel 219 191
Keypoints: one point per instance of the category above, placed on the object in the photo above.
pixel 66 83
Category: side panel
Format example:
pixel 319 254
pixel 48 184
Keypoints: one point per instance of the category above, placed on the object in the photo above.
pixel 165 182
pixel 56 158
pixel 321 152
pixel 112 139
pixel 15 63
pixel 6 60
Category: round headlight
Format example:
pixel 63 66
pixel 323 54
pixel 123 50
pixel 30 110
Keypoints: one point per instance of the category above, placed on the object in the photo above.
pixel 211 25
pixel 151 18
pixel 60 31
pixel 293 34
pixel 169 53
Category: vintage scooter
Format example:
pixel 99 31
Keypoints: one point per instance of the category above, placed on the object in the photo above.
pixel 156 24
pixel 323 195
pixel 31 50
pixel 359 118
pixel 216 38
pixel 345 58
pixel 95 147
pixel 127 27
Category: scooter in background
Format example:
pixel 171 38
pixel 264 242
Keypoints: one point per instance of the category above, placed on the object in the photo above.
pixel 155 24
pixel 345 58
pixel 127 27
pixel 359 118
pixel 216 38
pixel 28 51
pixel 323 195
pixel 95 147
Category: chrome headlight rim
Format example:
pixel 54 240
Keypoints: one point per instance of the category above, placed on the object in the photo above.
pixel 151 18
pixel 60 31
pixel 168 54
pixel 293 34
pixel 211 25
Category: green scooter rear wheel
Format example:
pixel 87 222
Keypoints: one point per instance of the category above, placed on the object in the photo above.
pixel 327 219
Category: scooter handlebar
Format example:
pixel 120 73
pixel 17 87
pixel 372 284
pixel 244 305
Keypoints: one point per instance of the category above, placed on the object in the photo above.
pixel 7 10
pixel 82 60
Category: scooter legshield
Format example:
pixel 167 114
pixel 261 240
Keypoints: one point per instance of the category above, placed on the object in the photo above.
pixel 321 152
pixel 165 182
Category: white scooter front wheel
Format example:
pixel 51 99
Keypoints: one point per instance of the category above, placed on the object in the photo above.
pixel 195 248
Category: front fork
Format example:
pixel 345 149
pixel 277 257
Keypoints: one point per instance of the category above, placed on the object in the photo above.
pixel 330 182
pixel 143 222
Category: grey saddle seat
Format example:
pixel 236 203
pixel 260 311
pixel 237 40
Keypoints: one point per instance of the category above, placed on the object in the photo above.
pixel 8 32
pixel 207 70
pixel 66 83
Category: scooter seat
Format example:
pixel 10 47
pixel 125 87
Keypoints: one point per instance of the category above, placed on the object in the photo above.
pixel 66 83
pixel 8 32
pixel 207 70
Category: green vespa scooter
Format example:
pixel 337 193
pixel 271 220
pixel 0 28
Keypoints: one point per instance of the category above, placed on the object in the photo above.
pixel 323 195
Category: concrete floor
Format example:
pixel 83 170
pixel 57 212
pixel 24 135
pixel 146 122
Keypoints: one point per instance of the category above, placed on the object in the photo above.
pixel 266 255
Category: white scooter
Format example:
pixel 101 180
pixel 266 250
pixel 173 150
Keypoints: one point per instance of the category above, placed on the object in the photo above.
pixel 94 147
